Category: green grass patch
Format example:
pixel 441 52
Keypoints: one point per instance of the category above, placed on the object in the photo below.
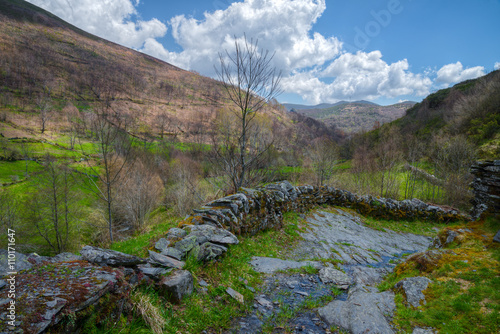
pixel 13 171
pixel 426 228
pixel 215 309
pixel 464 296
pixel 161 221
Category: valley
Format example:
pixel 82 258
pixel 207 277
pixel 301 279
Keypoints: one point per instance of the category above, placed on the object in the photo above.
pixel 141 197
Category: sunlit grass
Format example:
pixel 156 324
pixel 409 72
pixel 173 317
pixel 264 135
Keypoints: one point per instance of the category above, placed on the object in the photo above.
pixel 464 296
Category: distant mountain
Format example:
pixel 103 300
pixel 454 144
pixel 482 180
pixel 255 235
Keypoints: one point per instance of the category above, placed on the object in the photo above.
pixel 291 106
pixel 352 117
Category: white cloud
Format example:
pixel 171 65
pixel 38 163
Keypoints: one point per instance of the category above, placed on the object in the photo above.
pixel 114 20
pixel 453 73
pixel 358 76
pixel 281 25
pixel 497 66
pixel 314 66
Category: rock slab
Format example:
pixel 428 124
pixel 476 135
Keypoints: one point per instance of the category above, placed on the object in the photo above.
pixel 110 258
pixel 364 311
pixel 165 261
pixel 269 265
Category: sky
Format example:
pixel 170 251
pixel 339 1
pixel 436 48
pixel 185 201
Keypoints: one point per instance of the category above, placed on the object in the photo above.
pixel 385 51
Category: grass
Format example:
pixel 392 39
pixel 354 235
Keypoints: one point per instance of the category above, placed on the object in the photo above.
pixel 11 171
pixel 161 221
pixel 464 296
pixel 427 228
pixel 215 309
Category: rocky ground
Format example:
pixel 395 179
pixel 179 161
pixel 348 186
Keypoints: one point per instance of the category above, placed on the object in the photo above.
pixel 342 296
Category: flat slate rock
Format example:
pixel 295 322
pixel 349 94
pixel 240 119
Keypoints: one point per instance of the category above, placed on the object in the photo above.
pixel 364 311
pixel 209 251
pixel 236 295
pixel 165 261
pixel 172 252
pixel 176 233
pixel 369 276
pixel 418 330
pixel 153 272
pixel 269 265
pixel 108 257
pixel 162 244
pixel 214 234
pixel 344 237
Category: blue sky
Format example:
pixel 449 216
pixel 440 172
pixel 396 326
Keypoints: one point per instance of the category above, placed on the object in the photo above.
pixel 380 50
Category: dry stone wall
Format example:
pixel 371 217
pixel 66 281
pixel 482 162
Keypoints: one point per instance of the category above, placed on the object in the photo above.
pixel 253 210
pixel 486 187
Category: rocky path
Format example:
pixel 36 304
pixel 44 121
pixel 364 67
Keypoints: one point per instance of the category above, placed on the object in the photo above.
pixel 343 294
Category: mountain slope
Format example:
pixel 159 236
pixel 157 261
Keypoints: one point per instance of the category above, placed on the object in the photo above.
pixel 470 108
pixel 45 61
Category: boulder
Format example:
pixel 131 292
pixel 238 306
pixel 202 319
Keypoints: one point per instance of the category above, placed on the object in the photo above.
pixel 109 258
pixel 336 277
pixel 413 287
pixel 165 261
pixel 214 234
pixel 177 285
pixel 428 260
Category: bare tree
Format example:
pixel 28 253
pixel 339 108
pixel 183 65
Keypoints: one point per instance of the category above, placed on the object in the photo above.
pixel 162 121
pixel 45 109
pixel 139 193
pixel 452 160
pixel 413 155
pixel 324 155
pixel 113 146
pixel 250 81
pixel 388 155
pixel 9 210
pixel 52 207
